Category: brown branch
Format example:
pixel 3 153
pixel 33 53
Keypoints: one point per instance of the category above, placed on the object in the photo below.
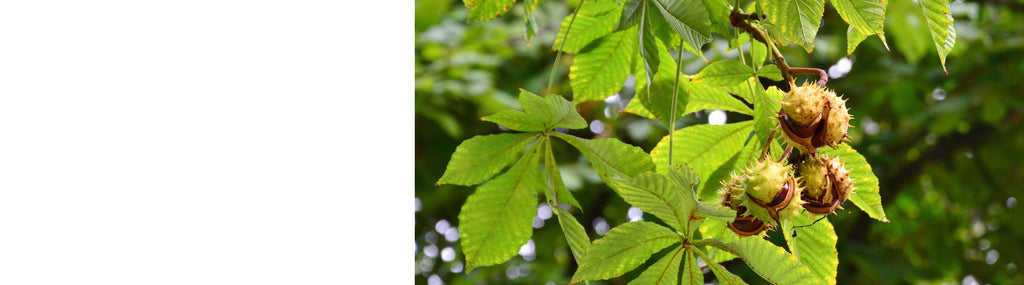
pixel 805 70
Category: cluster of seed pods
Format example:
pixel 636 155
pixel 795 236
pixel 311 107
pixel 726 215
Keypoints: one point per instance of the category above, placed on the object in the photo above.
pixel 768 192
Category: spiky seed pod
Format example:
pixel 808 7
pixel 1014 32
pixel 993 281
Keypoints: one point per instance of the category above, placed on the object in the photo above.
pixel 837 123
pixel 813 117
pixel 767 190
pixel 804 105
pixel 826 182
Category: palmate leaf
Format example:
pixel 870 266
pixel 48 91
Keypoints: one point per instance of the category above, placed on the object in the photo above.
pixel 940 25
pixel 691 270
pixel 724 73
pixel 814 246
pixel 516 120
pixel 554 111
pixel 575 235
pixel 480 157
pixel 687 18
pixel 553 179
pixel 624 248
pixel 724 276
pixel 766 107
pixel 601 69
pixel 497 219
pixel 797 20
pixel 715 229
pixel 663 272
pixel 735 164
pixel 649 45
pixel 865 183
pixel 660 196
pixel 772 262
pixel 655 101
pixel 771 72
pixel 486 10
pixel 593 21
pixel 611 158
pixel 703 147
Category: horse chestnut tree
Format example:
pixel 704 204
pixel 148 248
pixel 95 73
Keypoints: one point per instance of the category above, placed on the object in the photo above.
pixel 784 170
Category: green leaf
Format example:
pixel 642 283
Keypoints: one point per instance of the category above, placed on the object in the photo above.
pixel 663 272
pixel 611 158
pixel 814 246
pixel 516 120
pixel 486 10
pixel 715 212
pixel 575 235
pixel 649 43
pixel 865 183
pixel 658 195
pixel 632 12
pixel 724 276
pixel 687 18
pixel 553 178
pixel 724 73
pixel 797 20
pixel 691 270
pixel 683 175
pixel 771 262
pixel 497 220
pixel 940 25
pixel 593 21
pixel 601 69
pixel 766 108
pixel 693 96
pixel 770 71
pixel 554 111
pixel 715 229
pixel 624 248
pixel 735 164
pixel 529 24
pixel 703 147
pixel 758 52
pixel 718 13
pixel 866 18
pixel 480 157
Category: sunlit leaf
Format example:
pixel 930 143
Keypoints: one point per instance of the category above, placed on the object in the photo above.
pixel 486 10
pixel 574 233
pixel 553 178
pixel 658 195
pixel 601 69
pixel 553 110
pixel 622 249
pixel 766 107
pixel 772 262
pixel 797 20
pixel 497 219
pixel 594 20
pixel 611 158
pixel 866 17
pixel 691 270
pixel 703 147
pixel 724 276
pixel 865 183
pixel 480 157
pixel 529 24
pixel 663 272
pixel 940 25
pixel 724 73
pixel 687 18
pixel 715 229
pixel 814 246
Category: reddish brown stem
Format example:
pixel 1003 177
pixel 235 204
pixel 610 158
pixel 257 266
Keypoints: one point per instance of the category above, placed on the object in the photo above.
pixel 807 70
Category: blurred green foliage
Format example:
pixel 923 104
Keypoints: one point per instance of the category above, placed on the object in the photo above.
pixel 946 149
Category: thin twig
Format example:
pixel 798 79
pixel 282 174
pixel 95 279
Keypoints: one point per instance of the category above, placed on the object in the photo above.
pixel 558 55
